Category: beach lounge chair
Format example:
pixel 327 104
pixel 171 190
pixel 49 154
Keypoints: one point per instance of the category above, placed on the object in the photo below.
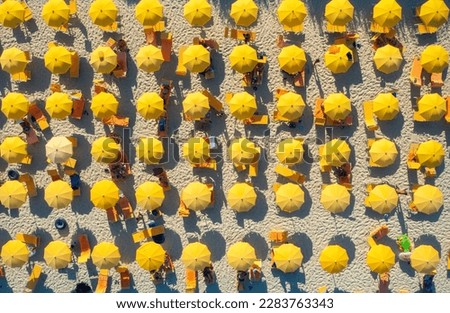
pixel 181 69
pixel 447 115
pixel 209 164
pixel 255 270
pixel 278 236
pixel 151 37
pixel 369 119
pixel 116 120
pixel 345 180
pixel 125 206
pixel 78 105
pixel 379 232
pixel 330 28
pixel 430 172
pixel 85 248
pixel 74 71
pixel 29 131
pixel 54 174
pixel 125 276
pixel 423 29
pixel 411 161
pixel 257 120
pixel 292 175
pixel 369 188
pixel 40 118
pixel 253 169
pixel 415 75
pixel 55 87
pixel 99 86
pixel 22 76
pixel 377 28
pixel 211 43
pixel 165 91
pixel 238 34
pixel 191 281
pixel 162 126
pixel 436 80
pixel 122 66
pixel 148 232
pixel 33 278
pixel 102 283
pixel 168 266
pixel 29 182
pixel 166 46
pixel 73 7
pixel 299 79
pixel 183 211
pixel 110 28
pixel 31 240
pixel 112 214
pixel 213 101
pixel 323 164
pixel 2 271
pixel 319 115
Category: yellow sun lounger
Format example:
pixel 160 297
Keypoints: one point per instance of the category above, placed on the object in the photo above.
pixel 29 182
pixel 125 277
pixel 33 278
pixel 330 28
pixel 85 248
pixel 191 281
pixel 181 69
pixel 28 239
pixel 369 119
pixel 415 75
pixel 148 232
pixel 278 236
pixel 292 175
pixel 447 115
pixel 377 28
pixel 213 101
pixel 411 161
pixel 102 283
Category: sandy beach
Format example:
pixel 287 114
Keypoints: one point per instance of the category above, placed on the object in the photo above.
pixel 312 228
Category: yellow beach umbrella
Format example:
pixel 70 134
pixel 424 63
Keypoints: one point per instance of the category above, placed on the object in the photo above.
pixel 149 195
pixel 425 259
pixel 149 12
pixel 196 58
pixel 13 149
pixel 339 59
pixel 105 149
pixel 434 59
pixel 434 13
pixel 291 13
pixel 59 105
pixel 289 197
pixel 150 105
pixel 13 60
pixel 385 106
pixel 383 199
pixel 243 58
pixel 149 58
pixel 196 196
pixel 57 254
pixel 242 105
pixel 197 12
pixel 15 105
pixel 196 256
pixel 58 60
pixel 196 150
pixel 103 59
pixel 290 151
pixel 339 12
pixel 13 194
pixel 150 256
pixel 105 255
pixel 55 13
pixel 387 13
pixel 195 105
pixel 333 259
pixel 428 199
pixel 244 12
pixel 430 153
pixel 291 106
pixel 380 259
pixel 150 150
pixel 388 59
pixel 287 257
pixel 58 149
pixel 241 256
pixel 432 106
pixel 103 12
pixel 104 194
pixel 15 253
pixel 336 152
pixel 335 198
pixel 292 59
pixel 241 197
pixel 58 194
pixel 12 13
pixel 243 151
pixel 383 152
pixel 337 106
pixel 104 105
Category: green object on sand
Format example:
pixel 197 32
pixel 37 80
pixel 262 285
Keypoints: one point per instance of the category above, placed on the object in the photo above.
pixel 404 242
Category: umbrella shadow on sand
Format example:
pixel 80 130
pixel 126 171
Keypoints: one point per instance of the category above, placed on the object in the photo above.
pixel 214 239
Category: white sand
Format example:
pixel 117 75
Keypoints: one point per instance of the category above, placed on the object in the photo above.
pixel 311 228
